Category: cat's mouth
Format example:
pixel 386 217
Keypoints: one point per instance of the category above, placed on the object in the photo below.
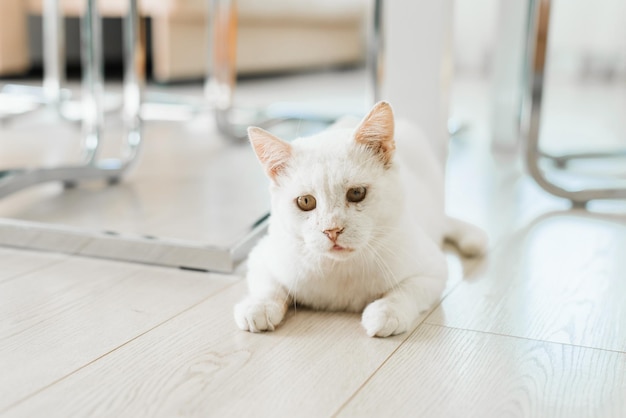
pixel 339 252
pixel 339 248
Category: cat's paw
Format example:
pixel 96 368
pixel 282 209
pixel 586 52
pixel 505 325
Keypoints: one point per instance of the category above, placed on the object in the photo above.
pixel 381 319
pixel 258 315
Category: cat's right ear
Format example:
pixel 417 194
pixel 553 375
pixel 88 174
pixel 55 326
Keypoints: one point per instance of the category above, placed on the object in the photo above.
pixel 376 132
pixel 272 152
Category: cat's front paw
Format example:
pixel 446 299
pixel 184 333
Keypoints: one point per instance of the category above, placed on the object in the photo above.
pixel 258 315
pixel 381 319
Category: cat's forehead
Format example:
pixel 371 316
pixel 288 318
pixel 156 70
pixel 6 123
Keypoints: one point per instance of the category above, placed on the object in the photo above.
pixel 326 142
pixel 328 150
pixel 331 158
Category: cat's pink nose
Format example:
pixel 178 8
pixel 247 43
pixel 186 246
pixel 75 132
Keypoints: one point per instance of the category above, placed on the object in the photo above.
pixel 333 233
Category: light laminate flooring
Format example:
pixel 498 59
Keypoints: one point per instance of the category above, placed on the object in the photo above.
pixel 535 329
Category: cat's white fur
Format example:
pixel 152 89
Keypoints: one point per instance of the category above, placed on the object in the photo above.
pixel 388 260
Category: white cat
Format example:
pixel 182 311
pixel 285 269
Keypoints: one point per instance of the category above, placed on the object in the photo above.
pixel 356 226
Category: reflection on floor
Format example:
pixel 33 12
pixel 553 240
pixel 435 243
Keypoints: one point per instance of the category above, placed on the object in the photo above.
pixel 537 328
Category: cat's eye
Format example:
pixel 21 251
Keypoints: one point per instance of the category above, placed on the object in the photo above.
pixel 306 203
pixel 356 194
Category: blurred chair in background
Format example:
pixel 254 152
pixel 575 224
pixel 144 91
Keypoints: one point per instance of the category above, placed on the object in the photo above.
pixel 92 115
pixel 609 188
pixel 518 109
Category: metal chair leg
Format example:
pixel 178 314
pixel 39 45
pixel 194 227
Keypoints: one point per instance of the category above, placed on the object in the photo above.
pixel 54 52
pixel 220 84
pixel 537 47
pixel 221 71
pixel 93 80
pixel 51 92
pixel 94 169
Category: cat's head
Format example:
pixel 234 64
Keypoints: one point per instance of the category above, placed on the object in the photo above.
pixel 335 193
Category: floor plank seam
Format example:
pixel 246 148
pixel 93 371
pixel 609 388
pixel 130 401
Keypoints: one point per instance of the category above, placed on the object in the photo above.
pixel 48 386
pixel 382 364
pixel 439 302
pixel 371 376
pixel 608 350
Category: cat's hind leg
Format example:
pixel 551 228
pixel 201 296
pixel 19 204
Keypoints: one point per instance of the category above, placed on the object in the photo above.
pixel 469 239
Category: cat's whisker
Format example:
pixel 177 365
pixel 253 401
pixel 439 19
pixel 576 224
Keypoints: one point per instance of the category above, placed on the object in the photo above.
pixel 363 264
pixel 384 253
pixel 383 267
pixel 383 260
pixel 391 247
pixel 387 276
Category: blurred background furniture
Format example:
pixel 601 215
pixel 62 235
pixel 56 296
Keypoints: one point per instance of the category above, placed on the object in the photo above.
pixel 92 167
pixel 541 55
pixel 273 35
pixel 14 56
pixel 611 186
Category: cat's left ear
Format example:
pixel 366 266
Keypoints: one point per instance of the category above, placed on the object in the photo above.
pixel 272 152
pixel 376 132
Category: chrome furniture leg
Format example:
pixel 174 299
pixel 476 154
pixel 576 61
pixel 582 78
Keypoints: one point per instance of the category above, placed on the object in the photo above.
pixel 51 92
pixel 221 74
pixel 54 52
pixel 535 69
pixel 134 82
pixel 93 80
pixel 219 85
pixel 375 49
pixel 93 168
pixel 221 77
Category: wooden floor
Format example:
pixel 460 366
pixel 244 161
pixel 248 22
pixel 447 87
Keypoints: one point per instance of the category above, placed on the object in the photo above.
pixel 535 329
